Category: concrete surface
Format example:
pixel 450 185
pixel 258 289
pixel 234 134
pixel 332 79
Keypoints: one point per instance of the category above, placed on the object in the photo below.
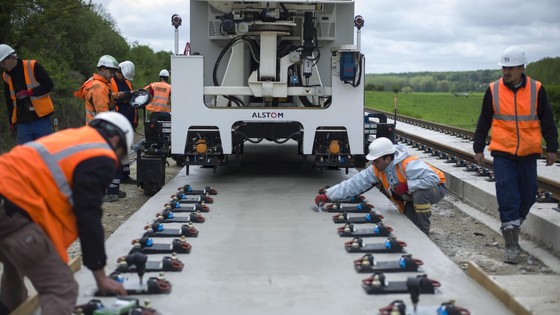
pixel 263 250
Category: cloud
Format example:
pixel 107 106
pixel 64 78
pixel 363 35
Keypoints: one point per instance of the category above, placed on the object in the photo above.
pixel 399 36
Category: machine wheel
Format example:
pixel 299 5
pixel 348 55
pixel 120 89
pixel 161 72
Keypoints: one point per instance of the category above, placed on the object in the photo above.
pixel 151 189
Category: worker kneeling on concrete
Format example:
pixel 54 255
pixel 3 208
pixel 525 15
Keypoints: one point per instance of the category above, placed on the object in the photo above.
pixel 410 183
pixel 51 191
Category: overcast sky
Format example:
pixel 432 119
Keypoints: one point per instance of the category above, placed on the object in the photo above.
pixel 399 35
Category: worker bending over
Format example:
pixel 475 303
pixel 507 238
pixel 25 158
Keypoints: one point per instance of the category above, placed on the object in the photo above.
pixel 51 191
pixel 410 183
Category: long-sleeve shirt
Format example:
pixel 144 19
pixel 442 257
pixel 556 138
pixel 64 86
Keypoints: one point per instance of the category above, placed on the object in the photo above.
pixel 18 80
pixel 88 197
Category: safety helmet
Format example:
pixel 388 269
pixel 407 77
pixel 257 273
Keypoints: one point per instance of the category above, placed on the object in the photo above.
pixel 108 61
pixel 128 70
pixel 164 73
pixel 5 51
pixel 512 57
pixel 119 123
pixel 380 147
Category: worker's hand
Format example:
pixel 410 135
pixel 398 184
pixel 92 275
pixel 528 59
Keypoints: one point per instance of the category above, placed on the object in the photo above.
pixel 107 285
pixel 550 158
pixel 321 199
pixel 127 95
pixel 479 158
pixel 111 286
pixel 24 94
pixel 400 189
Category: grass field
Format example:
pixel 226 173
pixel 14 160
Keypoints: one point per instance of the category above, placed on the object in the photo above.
pixel 443 108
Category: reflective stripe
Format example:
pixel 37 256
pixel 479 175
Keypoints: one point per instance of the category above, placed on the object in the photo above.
pixel 533 97
pixel 32 81
pixel 51 161
pixel 511 224
pixel 422 208
pixel 496 98
pixel 7 79
pixel 532 116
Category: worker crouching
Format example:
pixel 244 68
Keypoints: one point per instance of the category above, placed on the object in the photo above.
pixel 410 183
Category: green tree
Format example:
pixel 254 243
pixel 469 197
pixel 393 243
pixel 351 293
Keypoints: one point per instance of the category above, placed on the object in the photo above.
pixel 553 93
pixel 67 37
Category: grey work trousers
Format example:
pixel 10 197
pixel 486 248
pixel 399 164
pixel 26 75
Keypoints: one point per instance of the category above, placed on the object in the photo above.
pixel 25 250
pixel 419 210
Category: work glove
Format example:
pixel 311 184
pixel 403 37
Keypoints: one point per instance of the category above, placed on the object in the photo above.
pixel 24 94
pixel 400 189
pixel 321 199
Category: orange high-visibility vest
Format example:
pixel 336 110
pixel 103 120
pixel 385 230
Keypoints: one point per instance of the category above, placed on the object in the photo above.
pixel 115 88
pixel 160 101
pixel 42 104
pixel 38 178
pixel 515 125
pixel 401 176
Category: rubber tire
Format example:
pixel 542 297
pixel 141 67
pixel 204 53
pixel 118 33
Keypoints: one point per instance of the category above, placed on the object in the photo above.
pixel 151 189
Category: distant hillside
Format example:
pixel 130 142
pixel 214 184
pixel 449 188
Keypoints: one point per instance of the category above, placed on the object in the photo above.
pixel 545 70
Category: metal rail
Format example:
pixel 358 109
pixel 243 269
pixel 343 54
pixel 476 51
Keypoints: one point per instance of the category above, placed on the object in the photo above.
pixel 450 130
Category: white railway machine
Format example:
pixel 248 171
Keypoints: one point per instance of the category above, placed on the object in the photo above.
pixel 269 70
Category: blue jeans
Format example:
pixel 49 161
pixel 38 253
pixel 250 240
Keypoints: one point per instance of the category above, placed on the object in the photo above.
pixel 33 130
pixel 516 189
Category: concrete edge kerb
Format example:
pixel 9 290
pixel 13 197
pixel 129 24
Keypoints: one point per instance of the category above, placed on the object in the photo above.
pixel 539 226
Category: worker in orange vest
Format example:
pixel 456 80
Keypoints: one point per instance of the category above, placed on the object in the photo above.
pixel 26 86
pixel 516 108
pixel 51 193
pixel 159 106
pixel 412 184
pixel 96 92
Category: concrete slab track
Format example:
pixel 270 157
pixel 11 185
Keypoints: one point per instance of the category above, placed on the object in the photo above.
pixel 263 250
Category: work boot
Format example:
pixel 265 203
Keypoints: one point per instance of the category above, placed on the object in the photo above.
pixel 110 198
pixel 511 239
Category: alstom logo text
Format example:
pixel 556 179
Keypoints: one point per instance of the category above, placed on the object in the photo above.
pixel 272 115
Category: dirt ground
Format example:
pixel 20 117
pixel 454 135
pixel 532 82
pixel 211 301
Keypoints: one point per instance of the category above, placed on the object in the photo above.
pixel 463 239
pixel 458 235
pixel 116 213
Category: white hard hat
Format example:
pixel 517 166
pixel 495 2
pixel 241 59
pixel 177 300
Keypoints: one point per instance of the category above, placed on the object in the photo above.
pixel 512 57
pixel 108 61
pixel 5 51
pixel 380 147
pixel 164 73
pixel 127 69
pixel 122 124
